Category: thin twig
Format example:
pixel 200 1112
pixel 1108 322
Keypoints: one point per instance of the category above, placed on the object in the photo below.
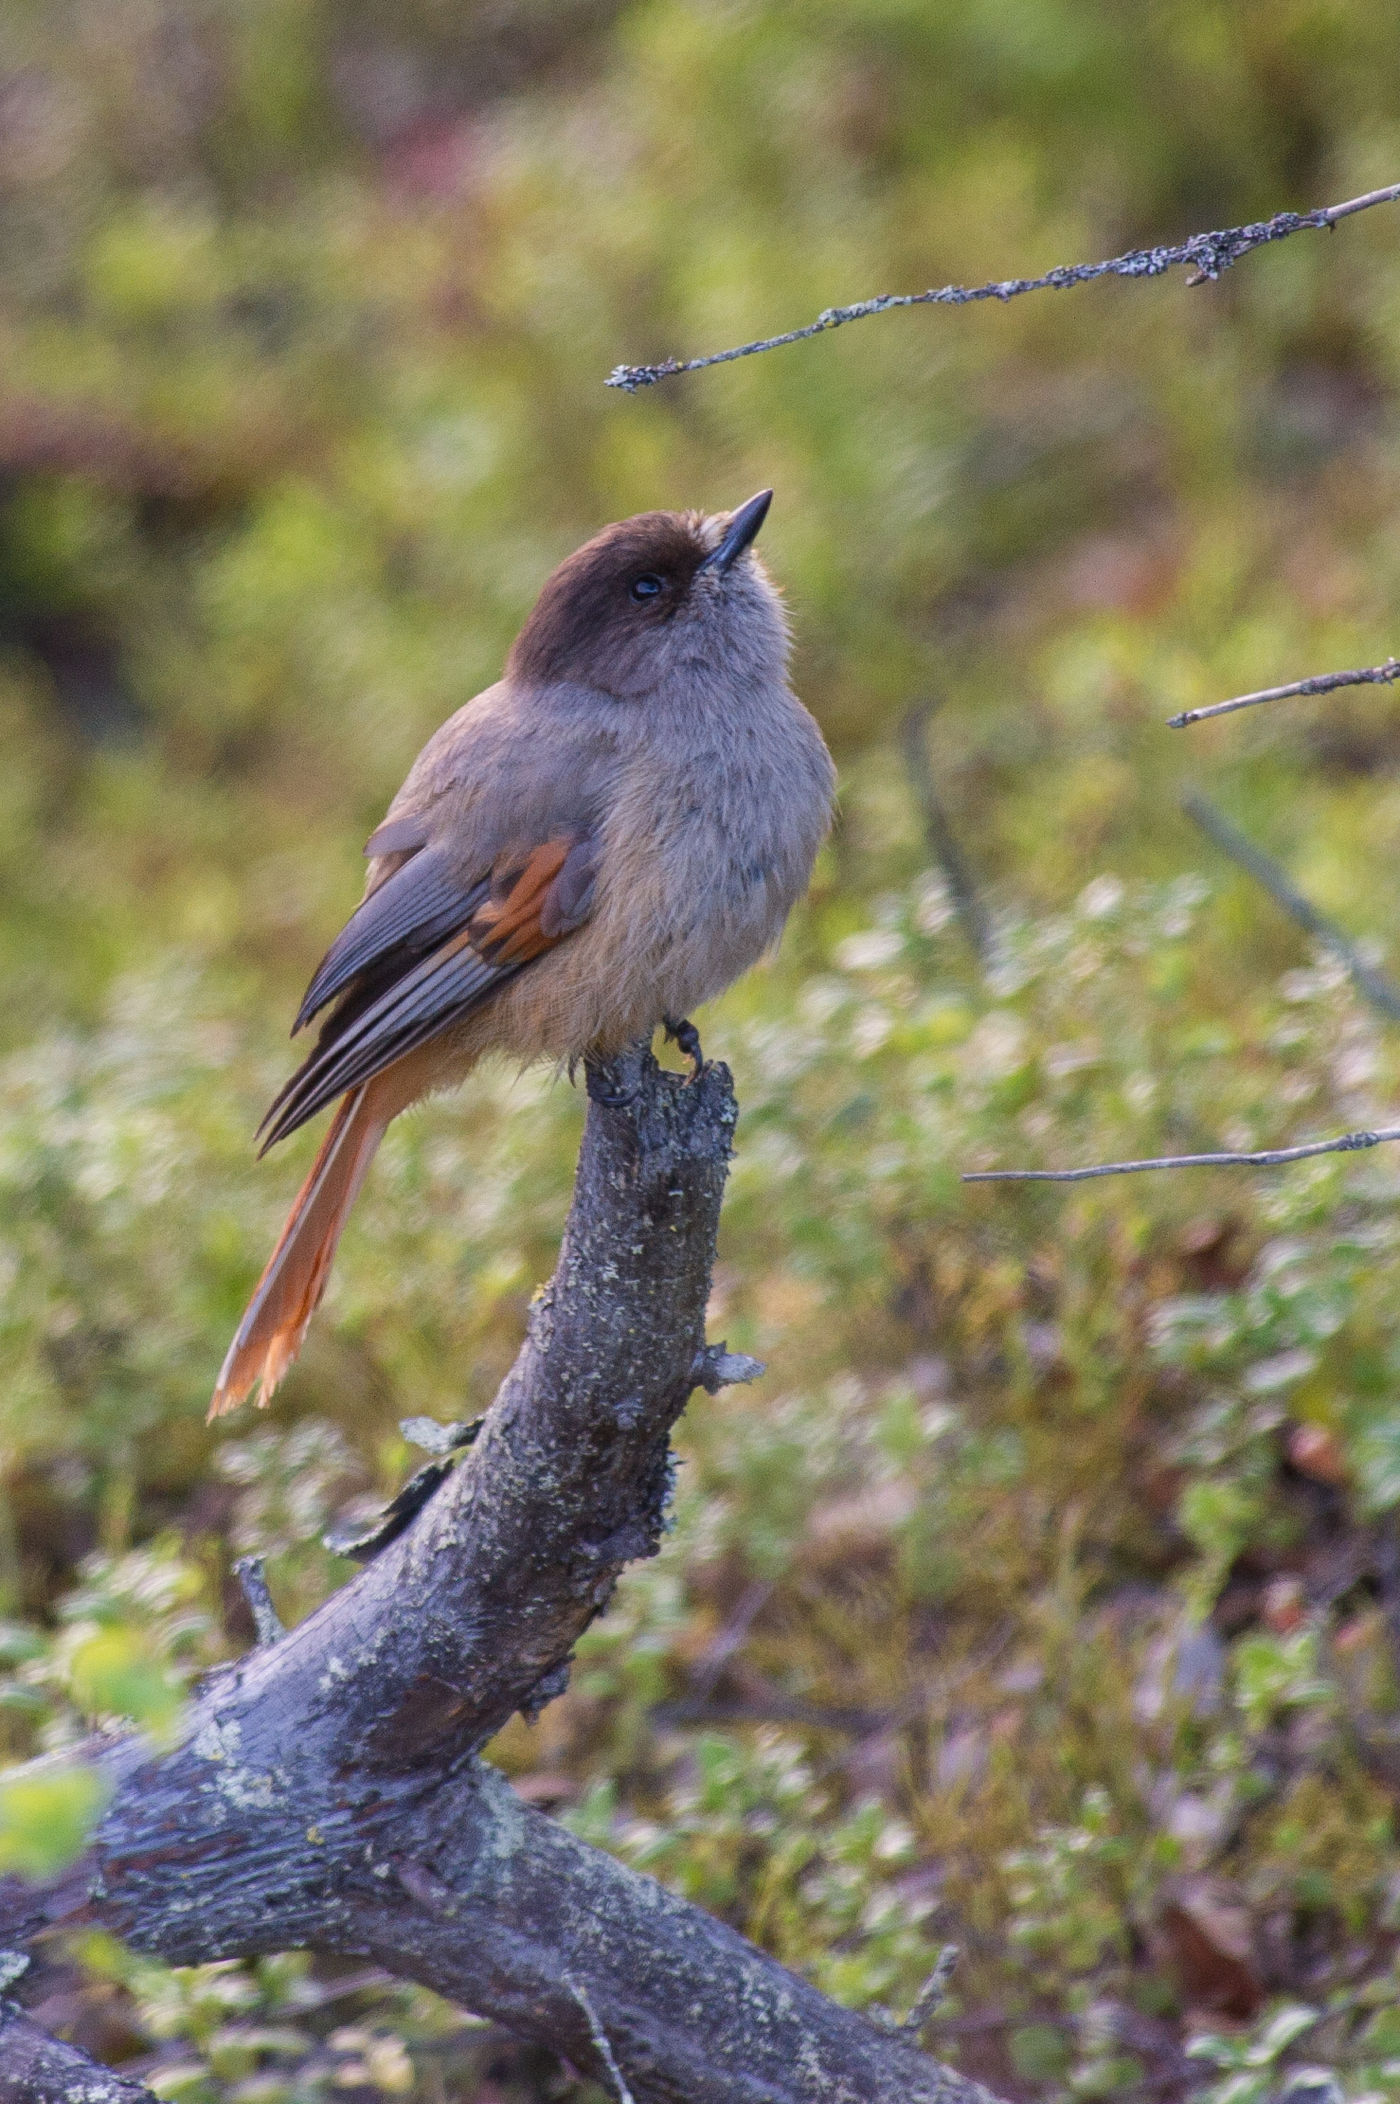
pixel 1266 1158
pixel 600 2039
pixel 1322 683
pixel 1209 255
pixel 1376 987
pixel 942 840
pixel 267 1623
pixel 933 1992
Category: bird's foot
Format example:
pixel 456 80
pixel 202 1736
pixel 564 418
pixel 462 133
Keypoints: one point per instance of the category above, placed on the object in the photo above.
pixel 685 1035
pixel 601 1093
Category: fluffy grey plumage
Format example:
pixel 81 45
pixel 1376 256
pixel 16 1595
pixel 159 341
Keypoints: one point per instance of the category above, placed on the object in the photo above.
pixel 599 843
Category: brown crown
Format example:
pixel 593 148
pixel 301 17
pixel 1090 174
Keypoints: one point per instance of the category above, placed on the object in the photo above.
pixel 585 619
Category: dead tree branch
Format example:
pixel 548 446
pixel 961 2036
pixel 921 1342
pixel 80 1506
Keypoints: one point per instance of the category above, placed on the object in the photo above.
pixel 1374 985
pixel 1321 683
pixel 327 1794
pixel 1208 255
pixel 37 2069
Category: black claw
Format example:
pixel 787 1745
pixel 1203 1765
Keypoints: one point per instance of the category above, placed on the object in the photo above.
pixel 598 1092
pixel 687 1037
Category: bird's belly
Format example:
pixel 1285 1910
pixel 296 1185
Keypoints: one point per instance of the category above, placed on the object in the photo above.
pixel 693 888
pixel 662 940
pixel 720 903
pixel 705 951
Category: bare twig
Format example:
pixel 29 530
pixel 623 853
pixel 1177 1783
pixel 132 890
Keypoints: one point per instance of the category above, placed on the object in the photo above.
pixel 1373 984
pixel 943 841
pixel 1208 255
pixel 925 2003
pixel 1265 1158
pixel 933 1991
pixel 1376 987
pixel 730 1639
pixel 1322 683
pixel 600 2039
pixel 764 1704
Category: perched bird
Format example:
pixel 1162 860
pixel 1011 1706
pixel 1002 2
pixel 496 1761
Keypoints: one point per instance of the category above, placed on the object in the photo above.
pixel 603 840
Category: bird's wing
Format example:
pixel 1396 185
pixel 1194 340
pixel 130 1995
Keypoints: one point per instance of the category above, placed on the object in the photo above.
pixel 413 909
pixel 423 950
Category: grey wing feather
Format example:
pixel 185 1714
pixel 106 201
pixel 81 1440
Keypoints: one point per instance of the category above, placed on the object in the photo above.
pixel 413 910
pixel 426 999
pixel 399 835
pixel 421 951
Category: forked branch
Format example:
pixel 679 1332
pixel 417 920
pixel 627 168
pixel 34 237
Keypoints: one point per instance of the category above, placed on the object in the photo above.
pixel 328 1794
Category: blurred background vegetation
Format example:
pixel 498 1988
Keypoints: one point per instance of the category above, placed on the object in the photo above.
pixel 1045 1598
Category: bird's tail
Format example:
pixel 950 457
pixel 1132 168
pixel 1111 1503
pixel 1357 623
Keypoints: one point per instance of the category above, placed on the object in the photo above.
pixel 274 1323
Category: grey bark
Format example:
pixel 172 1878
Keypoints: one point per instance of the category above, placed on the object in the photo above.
pixel 328 1794
pixel 37 2069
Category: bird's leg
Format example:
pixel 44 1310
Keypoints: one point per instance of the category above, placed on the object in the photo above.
pixel 687 1037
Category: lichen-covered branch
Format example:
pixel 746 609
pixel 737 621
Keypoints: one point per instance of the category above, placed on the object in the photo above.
pixel 37 2069
pixel 1208 255
pixel 328 1793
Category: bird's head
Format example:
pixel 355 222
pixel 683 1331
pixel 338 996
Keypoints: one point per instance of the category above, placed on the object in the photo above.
pixel 657 600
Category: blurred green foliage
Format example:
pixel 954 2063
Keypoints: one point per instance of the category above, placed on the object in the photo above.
pixel 1044 1599
pixel 45 1818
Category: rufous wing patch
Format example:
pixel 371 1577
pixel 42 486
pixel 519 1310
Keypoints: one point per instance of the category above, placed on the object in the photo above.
pixel 514 924
pixel 401 972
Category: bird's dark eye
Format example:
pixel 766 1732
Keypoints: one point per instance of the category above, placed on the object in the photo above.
pixel 647 587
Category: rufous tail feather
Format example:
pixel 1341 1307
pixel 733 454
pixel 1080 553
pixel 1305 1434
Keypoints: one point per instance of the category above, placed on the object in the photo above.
pixel 274 1323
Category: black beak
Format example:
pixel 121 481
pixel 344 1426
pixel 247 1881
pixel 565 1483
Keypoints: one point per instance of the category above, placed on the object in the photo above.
pixel 743 532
